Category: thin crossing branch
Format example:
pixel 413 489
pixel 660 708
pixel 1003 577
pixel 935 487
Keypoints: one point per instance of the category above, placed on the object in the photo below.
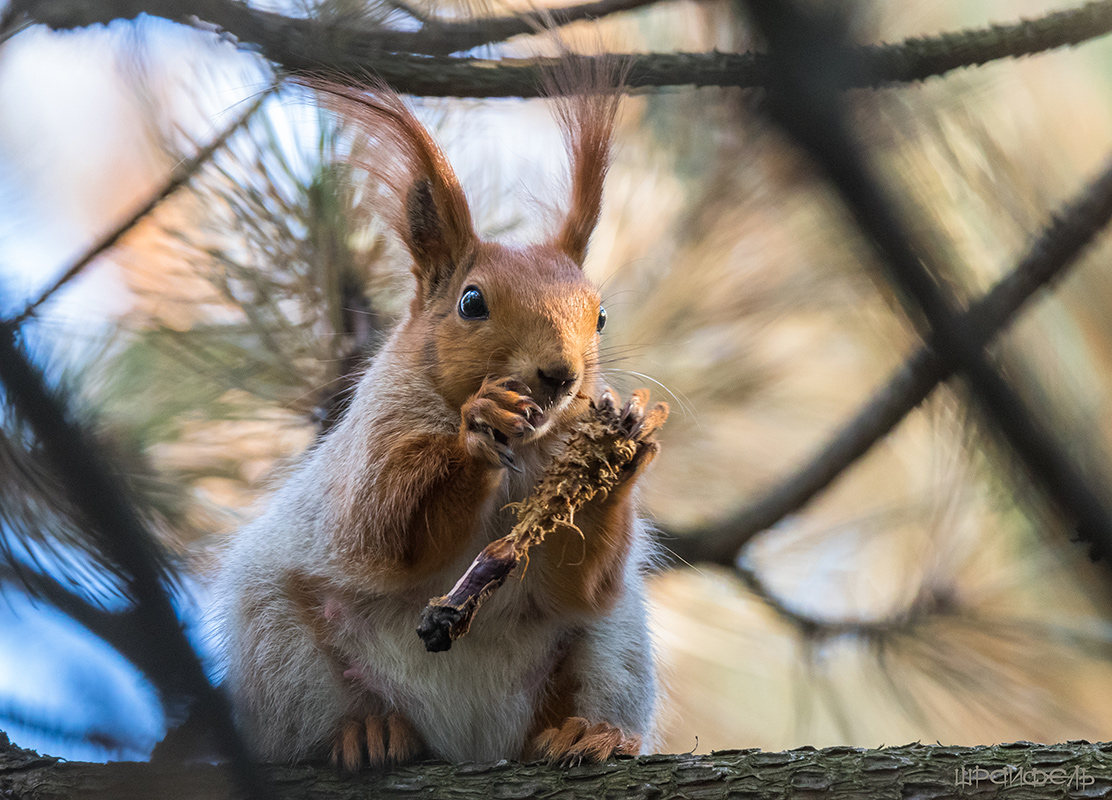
pixel 804 101
pixel 927 604
pixel 180 176
pixel 1058 248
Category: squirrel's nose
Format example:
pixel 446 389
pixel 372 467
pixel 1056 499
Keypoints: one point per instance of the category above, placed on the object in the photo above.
pixel 557 378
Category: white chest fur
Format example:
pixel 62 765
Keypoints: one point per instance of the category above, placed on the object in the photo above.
pixel 474 702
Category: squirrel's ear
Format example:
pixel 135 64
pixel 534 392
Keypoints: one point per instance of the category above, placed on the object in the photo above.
pixel 434 220
pixel 429 243
pixel 590 157
pixel 437 229
pixel 586 104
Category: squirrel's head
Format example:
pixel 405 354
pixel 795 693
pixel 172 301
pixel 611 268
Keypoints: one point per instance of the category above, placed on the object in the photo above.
pixel 484 309
pixel 525 313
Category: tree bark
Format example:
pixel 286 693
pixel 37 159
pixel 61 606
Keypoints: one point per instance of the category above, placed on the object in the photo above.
pixel 1020 770
pixel 413 62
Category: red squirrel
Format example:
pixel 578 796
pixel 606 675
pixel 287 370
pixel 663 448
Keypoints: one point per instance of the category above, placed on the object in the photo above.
pixel 454 419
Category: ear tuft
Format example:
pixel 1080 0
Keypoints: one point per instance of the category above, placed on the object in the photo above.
pixel 432 215
pixel 586 104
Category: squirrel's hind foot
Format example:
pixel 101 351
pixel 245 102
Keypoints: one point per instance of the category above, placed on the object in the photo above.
pixel 577 741
pixel 375 741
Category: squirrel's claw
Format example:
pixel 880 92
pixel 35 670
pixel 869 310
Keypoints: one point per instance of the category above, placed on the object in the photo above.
pixel 636 419
pixel 499 412
pixel 609 400
pixel 510 385
pixel 533 412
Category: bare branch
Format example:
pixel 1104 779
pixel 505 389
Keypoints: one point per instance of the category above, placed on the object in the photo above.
pixel 929 603
pixel 809 61
pixel 442 38
pixel 178 178
pixel 919 58
pixel 108 626
pixel 414 62
pixel 1058 248
pixel 325 43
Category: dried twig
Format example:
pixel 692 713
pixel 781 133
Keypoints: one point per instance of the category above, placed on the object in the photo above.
pixel 178 178
pixel 606 444
pixel 1054 252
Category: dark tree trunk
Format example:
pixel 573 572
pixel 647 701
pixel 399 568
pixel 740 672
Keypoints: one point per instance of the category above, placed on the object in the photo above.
pixel 1023 770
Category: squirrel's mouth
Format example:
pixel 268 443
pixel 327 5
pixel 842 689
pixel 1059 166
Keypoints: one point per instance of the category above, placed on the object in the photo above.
pixel 553 402
pixel 556 408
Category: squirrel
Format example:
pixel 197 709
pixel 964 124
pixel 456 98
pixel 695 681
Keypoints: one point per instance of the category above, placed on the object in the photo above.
pixel 454 419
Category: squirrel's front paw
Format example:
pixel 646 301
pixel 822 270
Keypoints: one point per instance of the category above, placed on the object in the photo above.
pixel 375 740
pixel 499 412
pixel 577 740
pixel 640 423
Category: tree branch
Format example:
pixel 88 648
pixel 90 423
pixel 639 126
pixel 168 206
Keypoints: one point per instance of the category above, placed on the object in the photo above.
pixel 122 630
pixel 442 38
pixel 893 773
pixel 180 176
pixel 1054 252
pixel 810 61
pixel 930 602
pixel 173 666
pixel 282 37
pixel 413 62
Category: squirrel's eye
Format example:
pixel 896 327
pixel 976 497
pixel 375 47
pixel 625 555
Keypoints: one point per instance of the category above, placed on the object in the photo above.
pixel 472 305
pixel 601 319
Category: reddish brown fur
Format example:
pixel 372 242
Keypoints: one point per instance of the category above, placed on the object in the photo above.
pixel 407 503
pixel 586 107
pixel 382 112
pixel 375 740
pixel 417 519
pixel 558 703
pixel 404 742
pixel 581 570
pixel 537 297
pixel 576 740
pixel 347 750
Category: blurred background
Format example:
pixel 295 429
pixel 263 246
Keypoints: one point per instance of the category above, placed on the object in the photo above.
pixel 924 596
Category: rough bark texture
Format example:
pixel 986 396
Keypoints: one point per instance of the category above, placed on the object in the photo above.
pixel 1020 771
pixel 402 58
